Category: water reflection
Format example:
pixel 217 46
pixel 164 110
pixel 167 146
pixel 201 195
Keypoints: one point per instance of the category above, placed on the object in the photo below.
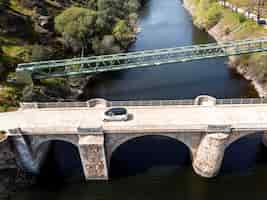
pixel 62 163
pixel 241 156
pixel 149 154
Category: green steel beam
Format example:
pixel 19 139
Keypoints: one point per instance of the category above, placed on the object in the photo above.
pixel 96 64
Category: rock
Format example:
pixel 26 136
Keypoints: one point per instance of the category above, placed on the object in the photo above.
pixel 70 89
pixel 46 22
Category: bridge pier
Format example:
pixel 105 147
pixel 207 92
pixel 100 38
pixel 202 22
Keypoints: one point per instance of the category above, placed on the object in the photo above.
pixel 209 156
pixel 26 157
pixel 93 157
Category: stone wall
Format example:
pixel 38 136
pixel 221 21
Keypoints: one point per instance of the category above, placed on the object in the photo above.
pixel 93 156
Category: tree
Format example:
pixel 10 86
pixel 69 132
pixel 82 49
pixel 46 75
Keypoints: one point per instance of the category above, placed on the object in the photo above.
pixel 4 4
pixel 123 33
pixel 91 4
pixel 105 46
pixel 40 53
pixel 76 25
pixel 132 5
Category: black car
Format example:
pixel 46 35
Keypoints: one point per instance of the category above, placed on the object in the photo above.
pixel 262 22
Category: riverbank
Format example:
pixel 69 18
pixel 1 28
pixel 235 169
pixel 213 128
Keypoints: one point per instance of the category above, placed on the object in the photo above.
pixel 223 25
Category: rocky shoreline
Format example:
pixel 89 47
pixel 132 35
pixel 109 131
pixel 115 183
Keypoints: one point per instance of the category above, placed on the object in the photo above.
pixel 218 34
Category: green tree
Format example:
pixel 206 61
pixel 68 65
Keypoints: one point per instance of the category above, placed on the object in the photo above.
pixel 123 33
pixel 132 5
pixel 208 13
pixel 77 26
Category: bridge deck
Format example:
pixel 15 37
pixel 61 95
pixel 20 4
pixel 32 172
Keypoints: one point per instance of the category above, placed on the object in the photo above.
pixel 144 119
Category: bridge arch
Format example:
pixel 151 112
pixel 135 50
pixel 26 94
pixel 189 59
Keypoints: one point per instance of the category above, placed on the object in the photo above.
pixel 55 153
pixel 114 141
pixel 236 136
pixel 147 151
pixel 241 152
pixel 38 141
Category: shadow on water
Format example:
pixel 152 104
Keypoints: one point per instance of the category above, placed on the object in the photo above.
pixel 148 154
pixel 241 156
pixel 62 164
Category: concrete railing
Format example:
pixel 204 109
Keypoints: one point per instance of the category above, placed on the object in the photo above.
pixel 201 100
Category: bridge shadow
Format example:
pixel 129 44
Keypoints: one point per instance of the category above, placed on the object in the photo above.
pixel 148 154
pixel 62 164
pixel 241 156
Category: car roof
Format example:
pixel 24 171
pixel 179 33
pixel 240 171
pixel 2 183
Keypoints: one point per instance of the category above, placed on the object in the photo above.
pixel 117 110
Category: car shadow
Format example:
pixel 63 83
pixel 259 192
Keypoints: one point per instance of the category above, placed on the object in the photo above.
pixel 130 117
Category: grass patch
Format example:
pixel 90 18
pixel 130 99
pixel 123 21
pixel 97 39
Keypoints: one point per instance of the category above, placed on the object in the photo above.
pixel 16 6
pixel 54 82
pixel 208 13
pixel 17 52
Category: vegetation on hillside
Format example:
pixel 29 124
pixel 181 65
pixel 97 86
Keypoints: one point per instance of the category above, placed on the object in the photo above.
pixel 208 13
pixel 32 30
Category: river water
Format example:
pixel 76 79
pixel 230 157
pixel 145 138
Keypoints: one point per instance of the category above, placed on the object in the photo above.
pixel 157 167
pixel 167 24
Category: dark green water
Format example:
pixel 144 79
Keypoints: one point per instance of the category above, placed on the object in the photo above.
pixel 159 168
pixel 165 23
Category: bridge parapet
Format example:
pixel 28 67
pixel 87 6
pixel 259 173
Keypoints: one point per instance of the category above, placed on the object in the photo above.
pixel 200 100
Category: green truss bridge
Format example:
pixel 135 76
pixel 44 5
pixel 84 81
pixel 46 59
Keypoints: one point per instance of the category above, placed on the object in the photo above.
pixel 149 58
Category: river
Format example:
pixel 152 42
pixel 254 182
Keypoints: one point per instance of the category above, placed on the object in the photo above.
pixel 156 167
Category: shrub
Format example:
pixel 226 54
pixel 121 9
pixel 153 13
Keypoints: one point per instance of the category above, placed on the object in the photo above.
pixel 123 33
pixel 76 25
pixel 241 18
pixel 227 31
pixel 40 53
pixel 208 13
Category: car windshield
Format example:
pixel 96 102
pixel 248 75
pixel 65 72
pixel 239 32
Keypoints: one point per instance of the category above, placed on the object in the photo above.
pixel 116 111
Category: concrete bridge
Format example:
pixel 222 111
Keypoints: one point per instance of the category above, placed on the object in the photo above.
pixel 205 125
